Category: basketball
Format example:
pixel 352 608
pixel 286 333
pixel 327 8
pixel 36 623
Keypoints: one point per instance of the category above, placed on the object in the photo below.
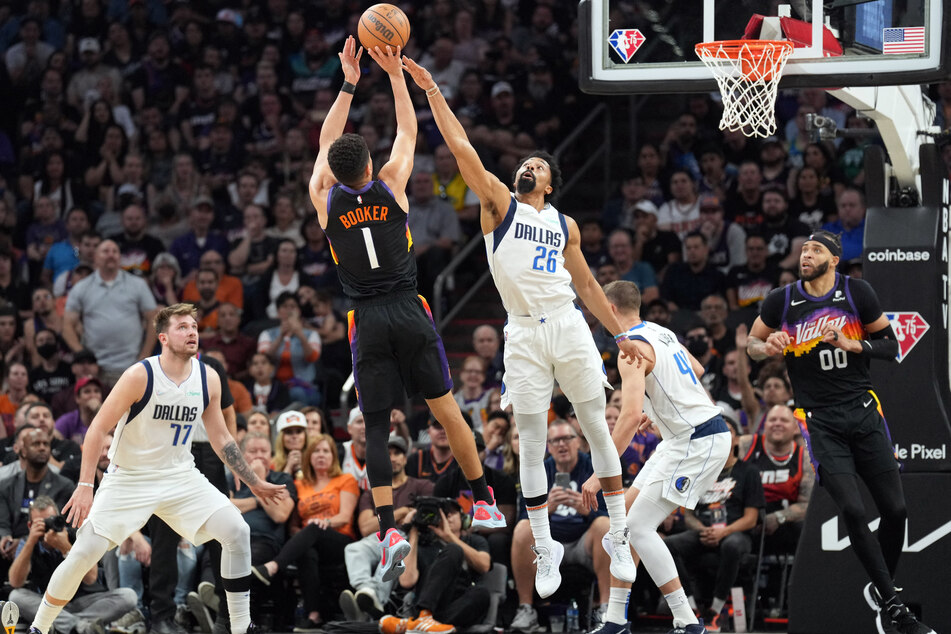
pixel 383 24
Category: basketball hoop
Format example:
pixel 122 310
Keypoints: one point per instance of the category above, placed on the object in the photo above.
pixel 747 72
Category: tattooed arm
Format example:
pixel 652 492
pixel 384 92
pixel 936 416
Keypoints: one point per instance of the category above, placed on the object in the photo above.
pixel 227 449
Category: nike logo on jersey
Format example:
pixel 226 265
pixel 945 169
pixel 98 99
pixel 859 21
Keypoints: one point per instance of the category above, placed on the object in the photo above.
pixel 801 301
pixel 869 402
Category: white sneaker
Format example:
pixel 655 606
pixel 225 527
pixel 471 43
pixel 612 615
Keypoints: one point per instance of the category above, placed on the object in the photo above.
pixel 526 620
pixel 547 575
pixel 618 547
pixel 599 616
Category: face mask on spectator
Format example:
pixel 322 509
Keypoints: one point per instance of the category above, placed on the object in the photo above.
pixel 697 346
pixel 47 350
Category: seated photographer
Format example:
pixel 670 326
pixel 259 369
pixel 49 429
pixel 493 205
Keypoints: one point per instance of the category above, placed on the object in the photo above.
pixel 573 523
pixel 363 556
pixel 445 562
pixel 327 498
pixel 44 548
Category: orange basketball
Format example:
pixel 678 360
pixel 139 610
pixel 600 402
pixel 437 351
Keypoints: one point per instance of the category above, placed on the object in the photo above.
pixel 383 24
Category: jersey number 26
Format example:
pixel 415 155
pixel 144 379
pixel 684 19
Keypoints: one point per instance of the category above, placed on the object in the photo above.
pixel 545 260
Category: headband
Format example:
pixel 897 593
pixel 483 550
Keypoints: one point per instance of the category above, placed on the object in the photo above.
pixel 828 243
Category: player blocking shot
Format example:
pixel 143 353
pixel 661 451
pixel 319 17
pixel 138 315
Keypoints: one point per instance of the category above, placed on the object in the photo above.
pixel 154 408
pixel 829 327
pixel 393 340
pixel 534 254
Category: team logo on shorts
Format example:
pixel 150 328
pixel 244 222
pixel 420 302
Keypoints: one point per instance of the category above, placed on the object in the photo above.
pixel 682 483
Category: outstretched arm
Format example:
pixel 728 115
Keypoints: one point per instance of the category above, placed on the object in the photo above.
pixel 494 194
pixel 397 170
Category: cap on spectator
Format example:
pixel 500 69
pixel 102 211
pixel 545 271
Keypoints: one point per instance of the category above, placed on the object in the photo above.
pixel 230 16
pixel 355 413
pixel 128 189
pixel 502 87
pixel 291 418
pixel 203 199
pixel 166 259
pixel 479 440
pixel 710 202
pixel 84 381
pixel 89 44
pixel 398 442
pixel 84 356
pixel 646 206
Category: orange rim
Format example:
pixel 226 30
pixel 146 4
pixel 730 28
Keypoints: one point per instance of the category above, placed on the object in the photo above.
pixel 756 64
pixel 732 48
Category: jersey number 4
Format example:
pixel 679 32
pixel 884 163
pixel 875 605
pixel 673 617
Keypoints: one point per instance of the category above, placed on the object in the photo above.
pixel 545 260
pixel 178 433
pixel 684 366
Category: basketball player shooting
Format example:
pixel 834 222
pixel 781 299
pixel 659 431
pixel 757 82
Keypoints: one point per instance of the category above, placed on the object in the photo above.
pixel 393 340
pixel 534 254
pixel 156 404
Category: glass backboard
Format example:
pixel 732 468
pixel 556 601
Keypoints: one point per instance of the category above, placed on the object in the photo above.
pixel 647 46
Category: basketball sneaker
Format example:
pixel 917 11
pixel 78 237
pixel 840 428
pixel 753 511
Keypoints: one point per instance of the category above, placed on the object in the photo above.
pixel 695 628
pixel 883 624
pixel 612 628
pixel 393 550
pixel 547 561
pixel 368 602
pixel 904 620
pixel 618 547
pixel 486 514
pixel 526 620
pixel 348 605
pixel 393 625
pixel 426 624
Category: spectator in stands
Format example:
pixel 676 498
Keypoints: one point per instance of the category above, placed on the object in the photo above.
pixel 592 242
pixel 164 282
pixel 200 238
pixel 114 310
pixel 293 348
pixel 84 84
pixel 83 364
pixel 159 81
pixel 651 245
pixel 502 130
pixel 370 593
pixel 13 290
pixel 199 112
pixel 716 180
pixel 236 346
pixel 687 283
pixel 621 252
pixel 45 230
pixel 434 226
pixel 287 225
pixel 678 149
pixel 51 374
pixel 317 422
pixel 819 157
pixel 472 396
pixel 487 344
pixel 720 523
pixel 206 282
pixel 268 394
pixel 44 317
pixel 40 415
pixel 680 214
pixel 784 234
pixel 229 289
pixel 714 312
pixel 776 173
pixel 353 453
pixel 19 490
pixel 26 59
pixel 850 225
pixel 316 260
pixel 88 396
pixel 809 205
pixel 137 247
pixel 744 204
pixel 16 382
pixel 658 312
pixel 573 523
pixel 431 463
pixel 699 344
pixel 43 549
pixel 327 499
pixel 283 277
pixel 291 441
pixel 253 254
pixel 725 237
pixel 787 476
pixel 67 279
pixel 449 186
pixel 63 256
pixel 495 431
pixel 446 70
pixel 747 285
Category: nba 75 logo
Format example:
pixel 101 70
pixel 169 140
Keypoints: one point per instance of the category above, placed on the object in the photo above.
pixel 909 329
pixel 625 42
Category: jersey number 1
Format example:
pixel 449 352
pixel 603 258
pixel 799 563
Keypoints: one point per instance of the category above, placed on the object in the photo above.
pixel 178 431
pixel 371 250
pixel 684 365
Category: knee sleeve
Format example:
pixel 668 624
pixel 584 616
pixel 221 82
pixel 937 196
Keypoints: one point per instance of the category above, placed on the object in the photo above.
pixel 604 457
pixel 643 518
pixel 533 438
pixel 228 527
pixel 85 553
pixel 379 471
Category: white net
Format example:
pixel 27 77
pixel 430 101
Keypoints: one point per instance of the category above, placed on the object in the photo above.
pixel 747 72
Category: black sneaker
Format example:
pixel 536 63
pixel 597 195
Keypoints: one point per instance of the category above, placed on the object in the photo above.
pixel 612 628
pixel 904 620
pixel 696 628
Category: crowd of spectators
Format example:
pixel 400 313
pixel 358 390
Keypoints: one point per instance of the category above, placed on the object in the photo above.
pixel 158 151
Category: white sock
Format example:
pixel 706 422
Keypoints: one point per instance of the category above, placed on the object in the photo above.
pixel 683 615
pixel 45 615
pixel 614 500
pixel 239 608
pixel 717 605
pixel 541 529
pixel 617 606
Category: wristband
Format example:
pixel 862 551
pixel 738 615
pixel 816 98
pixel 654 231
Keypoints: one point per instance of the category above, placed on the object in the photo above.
pixel 432 91
pixel 86 484
pixel 348 88
pixel 621 337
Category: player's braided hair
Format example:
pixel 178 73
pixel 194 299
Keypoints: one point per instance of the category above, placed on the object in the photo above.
pixel 348 157
pixel 552 166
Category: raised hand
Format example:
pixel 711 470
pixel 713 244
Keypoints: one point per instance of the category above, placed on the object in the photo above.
pixel 420 75
pixel 350 60
pixel 388 60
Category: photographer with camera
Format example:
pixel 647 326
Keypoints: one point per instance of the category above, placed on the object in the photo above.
pixel 44 548
pixel 443 566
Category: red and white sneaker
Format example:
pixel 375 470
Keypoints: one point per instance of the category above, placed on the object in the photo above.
pixel 393 550
pixel 486 514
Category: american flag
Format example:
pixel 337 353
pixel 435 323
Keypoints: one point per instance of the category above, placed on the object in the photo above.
pixel 903 40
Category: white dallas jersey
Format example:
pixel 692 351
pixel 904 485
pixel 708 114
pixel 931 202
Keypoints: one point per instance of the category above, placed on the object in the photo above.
pixel 528 265
pixel 351 465
pixel 156 433
pixel 676 399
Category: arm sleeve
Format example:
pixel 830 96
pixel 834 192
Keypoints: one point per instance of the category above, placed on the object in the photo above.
pixel 772 310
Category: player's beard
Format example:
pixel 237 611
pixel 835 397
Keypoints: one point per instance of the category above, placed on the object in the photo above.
pixel 817 271
pixel 525 185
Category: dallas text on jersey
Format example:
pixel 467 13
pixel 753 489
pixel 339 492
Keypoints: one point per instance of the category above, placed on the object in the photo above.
pixel 536 234
pixel 175 412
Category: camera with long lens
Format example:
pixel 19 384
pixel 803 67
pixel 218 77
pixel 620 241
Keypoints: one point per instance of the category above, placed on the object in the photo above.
pixel 427 510
pixel 56 523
